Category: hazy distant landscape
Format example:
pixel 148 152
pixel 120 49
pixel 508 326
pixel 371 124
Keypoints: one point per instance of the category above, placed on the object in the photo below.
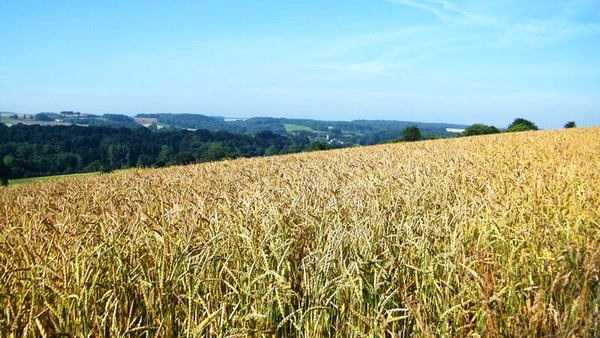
pixel 373 130
pixel 44 144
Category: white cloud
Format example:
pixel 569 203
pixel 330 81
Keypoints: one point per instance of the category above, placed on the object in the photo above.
pixel 533 32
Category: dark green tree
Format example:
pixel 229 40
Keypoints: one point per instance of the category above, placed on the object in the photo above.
pixel 165 154
pixel 159 164
pixel 144 161
pixel 184 158
pixel 411 134
pixel 570 124
pixel 117 156
pixel 479 129
pixel 15 166
pixel 316 146
pixel 215 153
pixel 105 170
pixel 521 124
pixel 43 117
pixel 272 150
pixel 4 173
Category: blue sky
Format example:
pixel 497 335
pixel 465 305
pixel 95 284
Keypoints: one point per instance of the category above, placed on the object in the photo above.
pixel 417 60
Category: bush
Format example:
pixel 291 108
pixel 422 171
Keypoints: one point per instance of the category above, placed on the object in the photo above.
pixel 105 170
pixel 184 158
pixel 521 124
pixel 4 173
pixel 316 146
pixel 479 129
pixel 411 134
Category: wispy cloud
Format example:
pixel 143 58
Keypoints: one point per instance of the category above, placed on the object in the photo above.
pixel 384 54
pixel 441 13
pixel 533 32
pixel 351 44
pixel 345 71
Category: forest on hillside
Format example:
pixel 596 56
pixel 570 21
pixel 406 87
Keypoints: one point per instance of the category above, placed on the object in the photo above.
pixel 35 150
pixel 32 150
pixel 357 132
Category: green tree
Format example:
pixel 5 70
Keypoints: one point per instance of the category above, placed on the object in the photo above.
pixel 15 166
pixel 272 150
pixel 43 117
pixel 411 134
pixel 94 166
pixel 144 161
pixel 215 153
pixel 316 146
pixel 570 124
pixel 117 156
pixel 521 124
pixel 165 154
pixel 105 169
pixel 479 129
pixel 184 158
pixel 517 128
pixel 159 164
pixel 4 173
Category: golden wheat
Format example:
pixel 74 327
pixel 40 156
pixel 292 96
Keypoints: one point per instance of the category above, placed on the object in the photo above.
pixel 491 236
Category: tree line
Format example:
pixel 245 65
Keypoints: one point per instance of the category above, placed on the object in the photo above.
pixel 34 150
pixel 519 124
pixel 413 133
pixel 361 132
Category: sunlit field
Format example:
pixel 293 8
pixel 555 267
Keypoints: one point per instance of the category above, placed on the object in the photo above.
pixel 495 236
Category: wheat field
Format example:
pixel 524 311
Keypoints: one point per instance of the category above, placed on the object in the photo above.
pixel 484 236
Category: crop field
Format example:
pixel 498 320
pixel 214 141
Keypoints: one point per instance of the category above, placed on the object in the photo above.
pixel 292 128
pixel 495 235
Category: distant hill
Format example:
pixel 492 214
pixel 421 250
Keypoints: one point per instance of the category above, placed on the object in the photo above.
pixel 362 132
pixel 72 142
pixel 67 118
pixel 357 132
